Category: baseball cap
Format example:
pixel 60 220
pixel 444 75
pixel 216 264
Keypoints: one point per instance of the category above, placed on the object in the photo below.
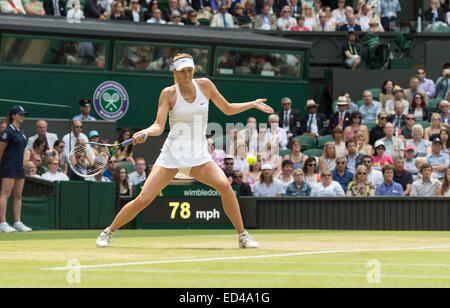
pixel 84 102
pixel 437 140
pixel 409 147
pixel 266 167
pixel 378 143
pixel 93 133
pixel 17 109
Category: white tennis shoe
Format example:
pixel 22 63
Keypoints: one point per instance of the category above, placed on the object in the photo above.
pixel 246 241
pixel 6 228
pixel 104 238
pixel 20 227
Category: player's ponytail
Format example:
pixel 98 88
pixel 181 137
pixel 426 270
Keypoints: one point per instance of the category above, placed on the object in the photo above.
pixel 178 57
pixel 9 118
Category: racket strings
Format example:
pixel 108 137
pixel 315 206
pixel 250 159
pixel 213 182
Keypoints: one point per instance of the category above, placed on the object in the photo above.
pixel 89 160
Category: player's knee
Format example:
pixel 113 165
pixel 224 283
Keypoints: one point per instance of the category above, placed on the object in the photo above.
pixel 223 186
pixel 142 201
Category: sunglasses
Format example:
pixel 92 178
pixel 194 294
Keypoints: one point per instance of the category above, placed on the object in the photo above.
pixel 326 175
pixel 340 163
pixel 79 126
pixel 380 148
pixel 410 119
pixel 362 173
pixel 367 161
pixel 382 118
pixel 237 177
pixel 311 165
pixel 113 161
pixel 229 164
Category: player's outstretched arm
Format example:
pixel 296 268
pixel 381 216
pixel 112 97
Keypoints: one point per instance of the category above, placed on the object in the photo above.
pixel 231 109
pixel 157 128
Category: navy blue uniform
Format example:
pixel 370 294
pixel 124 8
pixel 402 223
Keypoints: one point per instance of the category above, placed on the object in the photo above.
pixel 11 165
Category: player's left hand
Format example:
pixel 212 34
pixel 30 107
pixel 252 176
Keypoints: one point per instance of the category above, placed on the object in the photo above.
pixel 260 105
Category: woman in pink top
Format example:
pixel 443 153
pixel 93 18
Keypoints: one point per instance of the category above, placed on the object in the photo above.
pixel 300 26
pixel 379 159
pixel 356 126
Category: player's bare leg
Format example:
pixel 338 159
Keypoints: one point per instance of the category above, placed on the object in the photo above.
pixel 158 178
pixel 211 175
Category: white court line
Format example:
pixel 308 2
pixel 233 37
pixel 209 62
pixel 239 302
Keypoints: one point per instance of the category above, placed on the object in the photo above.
pixel 243 257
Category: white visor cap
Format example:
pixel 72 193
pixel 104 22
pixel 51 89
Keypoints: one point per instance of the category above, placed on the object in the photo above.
pixel 182 63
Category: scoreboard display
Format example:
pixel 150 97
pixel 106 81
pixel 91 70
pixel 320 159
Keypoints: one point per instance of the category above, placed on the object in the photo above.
pixel 181 205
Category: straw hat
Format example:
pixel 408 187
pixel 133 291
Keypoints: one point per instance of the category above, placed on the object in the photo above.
pixel 311 103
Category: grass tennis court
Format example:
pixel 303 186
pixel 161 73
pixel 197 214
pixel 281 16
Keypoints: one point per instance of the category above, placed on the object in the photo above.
pixel 210 258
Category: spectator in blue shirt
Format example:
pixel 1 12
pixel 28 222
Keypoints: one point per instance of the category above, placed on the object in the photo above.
pixel 371 108
pixel 298 188
pixel 389 187
pixel 341 174
pixel 389 11
pixel 438 160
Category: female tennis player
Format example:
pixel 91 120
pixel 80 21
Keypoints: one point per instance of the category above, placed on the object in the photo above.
pixel 12 172
pixel 185 148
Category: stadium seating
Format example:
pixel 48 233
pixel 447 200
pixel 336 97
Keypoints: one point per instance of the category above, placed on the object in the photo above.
pixel 129 166
pixel 313 152
pixel 308 142
pixel 324 139
pixel 434 104
pixel 283 153
pixel 370 125
pixel 424 124
pixel 375 93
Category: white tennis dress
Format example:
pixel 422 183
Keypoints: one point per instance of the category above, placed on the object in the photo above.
pixel 186 146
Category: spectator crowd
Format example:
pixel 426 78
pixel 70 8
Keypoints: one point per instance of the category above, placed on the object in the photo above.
pixel 283 15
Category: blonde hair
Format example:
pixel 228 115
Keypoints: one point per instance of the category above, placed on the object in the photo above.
pixel 355 177
pixel 325 150
pixel 179 56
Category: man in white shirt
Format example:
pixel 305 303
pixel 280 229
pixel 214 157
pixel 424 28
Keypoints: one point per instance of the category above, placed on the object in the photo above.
pixel 426 186
pixel 138 176
pixel 41 129
pixel 222 19
pixel 398 97
pixel 12 7
pixel 373 176
pixel 156 18
pixel 270 187
pixel 71 139
pixel 52 174
pixel 339 13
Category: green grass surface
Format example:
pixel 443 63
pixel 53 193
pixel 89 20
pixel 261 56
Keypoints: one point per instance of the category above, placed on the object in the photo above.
pixel 206 258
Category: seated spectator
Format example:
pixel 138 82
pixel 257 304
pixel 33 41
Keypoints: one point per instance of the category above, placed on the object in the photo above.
pixel 112 165
pixel 93 9
pixel 341 174
pixel 398 97
pixel 426 84
pixel 443 82
pixel 217 155
pixel 270 156
pixel 445 138
pixel 360 186
pixel 249 135
pixel 241 18
pixel 275 133
pixel 296 156
pixel 156 18
pixel 419 107
pixel 36 154
pixel 373 176
pixel 351 107
pixel 300 26
pixel 387 92
pixel 380 158
pixel 340 118
pixel 98 178
pixel 176 19
pixel 328 187
pixel 94 136
pixel 410 94
pixel 34 7
pixel 389 188
pixel 192 19
pixel 328 159
pixel 12 7
pixel 138 176
pixel 120 176
pixel 353 158
pixel 426 186
pixel 222 19
pixel 351 52
pixel 251 176
pixel 375 25
pixel 389 13
pixel 410 164
pixel 229 167
pixel 356 126
pixel 338 142
pixel 350 26
pixel 172 6
pixel 151 7
pixel 371 108
pixel 296 7
pixel 76 135
pixel 313 124
pixel 125 153
pixel 421 146
pixel 117 11
pixel 285 176
pixel 435 13
pixel 361 144
pixel 445 115
pixel 41 131
pixel 438 160
pixel 3 126
pixel 405 132
pixel 402 176
pixel 134 13
pixel 244 188
pixel 310 18
pixel 31 169
pixel 286 21
pixel 323 25
pixel 52 174
pixel 265 20
pixel 58 153
pixel 290 118
pixel 445 191
pixel 298 188
pixel 398 118
pixel 240 157
pixel 309 169
pixel 268 186
pixel 339 13
pixel 394 145
pixel 433 131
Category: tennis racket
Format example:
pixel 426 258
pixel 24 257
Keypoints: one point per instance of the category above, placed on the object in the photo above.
pixel 91 158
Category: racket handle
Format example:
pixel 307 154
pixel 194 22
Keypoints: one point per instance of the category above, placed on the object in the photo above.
pixel 130 141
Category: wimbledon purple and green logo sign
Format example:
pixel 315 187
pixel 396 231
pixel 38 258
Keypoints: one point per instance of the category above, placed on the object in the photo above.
pixel 111 101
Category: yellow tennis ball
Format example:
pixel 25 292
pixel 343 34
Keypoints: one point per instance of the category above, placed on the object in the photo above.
pixel 251 159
